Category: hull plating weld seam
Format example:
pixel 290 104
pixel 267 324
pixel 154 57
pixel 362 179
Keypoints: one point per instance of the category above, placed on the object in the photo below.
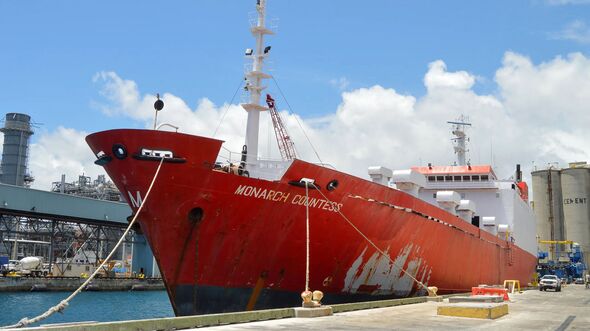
pixel 428 217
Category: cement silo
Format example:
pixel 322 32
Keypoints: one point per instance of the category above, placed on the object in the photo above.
pixel 547 202
pixel 575 188
pixel 17 130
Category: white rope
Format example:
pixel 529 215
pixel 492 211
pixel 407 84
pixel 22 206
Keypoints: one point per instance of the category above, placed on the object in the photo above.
pixel 64 303
pixel 371 242
pixel 307 237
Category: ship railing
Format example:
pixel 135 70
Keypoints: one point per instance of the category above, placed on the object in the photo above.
pixel 271 23
pixel 326 165
pixel 269 169
pixel 268 68
pixel 460 185
pixel 264 168
pixel 228 156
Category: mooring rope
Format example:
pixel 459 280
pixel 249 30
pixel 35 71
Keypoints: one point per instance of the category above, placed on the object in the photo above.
pixel 307 237
pixel 64 303
pixel 371 242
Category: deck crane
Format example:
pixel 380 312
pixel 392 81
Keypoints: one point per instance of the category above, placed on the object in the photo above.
pixel 286 145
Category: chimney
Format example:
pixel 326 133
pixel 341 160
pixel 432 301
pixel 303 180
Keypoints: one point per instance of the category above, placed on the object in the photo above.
pixel 17 130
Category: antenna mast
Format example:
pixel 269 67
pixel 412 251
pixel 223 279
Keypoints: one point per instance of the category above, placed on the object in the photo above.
pixel 460 138
pixel 254 84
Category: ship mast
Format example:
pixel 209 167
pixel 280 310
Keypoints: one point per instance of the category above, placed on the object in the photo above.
pixel 460 138
pixel 254 84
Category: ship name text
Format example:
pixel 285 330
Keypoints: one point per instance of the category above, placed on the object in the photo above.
pixel 285 197
pixel 135 201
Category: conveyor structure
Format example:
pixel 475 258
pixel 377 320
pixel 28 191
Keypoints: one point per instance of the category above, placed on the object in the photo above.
pixel 48 224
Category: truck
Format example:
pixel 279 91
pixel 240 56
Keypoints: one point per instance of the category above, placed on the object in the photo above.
pixel 31 266
pixel 550 281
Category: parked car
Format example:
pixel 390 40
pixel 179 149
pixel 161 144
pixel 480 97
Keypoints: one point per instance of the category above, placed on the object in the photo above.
pixel 579 281
pixel 550 281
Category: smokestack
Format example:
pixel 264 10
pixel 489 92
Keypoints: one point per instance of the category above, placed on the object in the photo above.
pixel 17 130
pixel 62 187
pixel 518 174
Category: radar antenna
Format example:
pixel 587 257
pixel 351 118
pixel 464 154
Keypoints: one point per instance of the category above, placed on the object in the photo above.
pixel 460 139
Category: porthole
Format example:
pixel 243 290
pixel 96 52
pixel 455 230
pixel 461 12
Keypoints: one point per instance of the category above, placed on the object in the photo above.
pixel 119 151
pixel 332 185
pixel 195 215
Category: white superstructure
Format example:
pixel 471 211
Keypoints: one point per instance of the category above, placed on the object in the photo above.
pixel 490 197
pixel 472 193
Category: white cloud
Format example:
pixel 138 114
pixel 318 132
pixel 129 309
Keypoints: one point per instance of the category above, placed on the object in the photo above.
pixel 548 96
pixel 341 83
pixel 576 31
pixel 439 78
pixel 538 114
pixel 124 99
pixel 63 151
pixel 567 2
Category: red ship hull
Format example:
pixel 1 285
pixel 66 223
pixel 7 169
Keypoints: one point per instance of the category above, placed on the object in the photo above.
pixel 225 242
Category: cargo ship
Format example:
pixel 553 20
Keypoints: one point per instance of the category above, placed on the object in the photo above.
pixel 229 233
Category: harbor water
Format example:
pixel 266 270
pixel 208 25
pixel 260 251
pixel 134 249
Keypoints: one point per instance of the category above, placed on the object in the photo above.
pixel 87 306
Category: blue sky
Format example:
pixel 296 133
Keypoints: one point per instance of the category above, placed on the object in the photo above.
pixel 51 50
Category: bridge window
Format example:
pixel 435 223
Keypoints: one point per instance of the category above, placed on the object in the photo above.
pixel 457 178
pixel 484 178
pixel 440 178
pixel 448 178
pixel 466 178
pixel 475 178
pixel 431 178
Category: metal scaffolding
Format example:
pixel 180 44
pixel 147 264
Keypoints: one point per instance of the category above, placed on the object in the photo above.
pixel 61 228
pixel 60 240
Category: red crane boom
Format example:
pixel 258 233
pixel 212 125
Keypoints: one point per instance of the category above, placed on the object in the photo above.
pixel 286 145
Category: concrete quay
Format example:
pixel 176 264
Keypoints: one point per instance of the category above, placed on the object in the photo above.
pixel 530 310
pixel 26 284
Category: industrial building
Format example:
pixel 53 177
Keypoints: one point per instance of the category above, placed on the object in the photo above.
pixel 15 151
pixel 560 201
pixel 74 222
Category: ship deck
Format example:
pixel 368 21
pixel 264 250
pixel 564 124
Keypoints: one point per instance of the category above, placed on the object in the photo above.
pixel 530 310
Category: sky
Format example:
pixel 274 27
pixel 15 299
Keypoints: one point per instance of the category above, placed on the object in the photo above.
pixel 371 82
